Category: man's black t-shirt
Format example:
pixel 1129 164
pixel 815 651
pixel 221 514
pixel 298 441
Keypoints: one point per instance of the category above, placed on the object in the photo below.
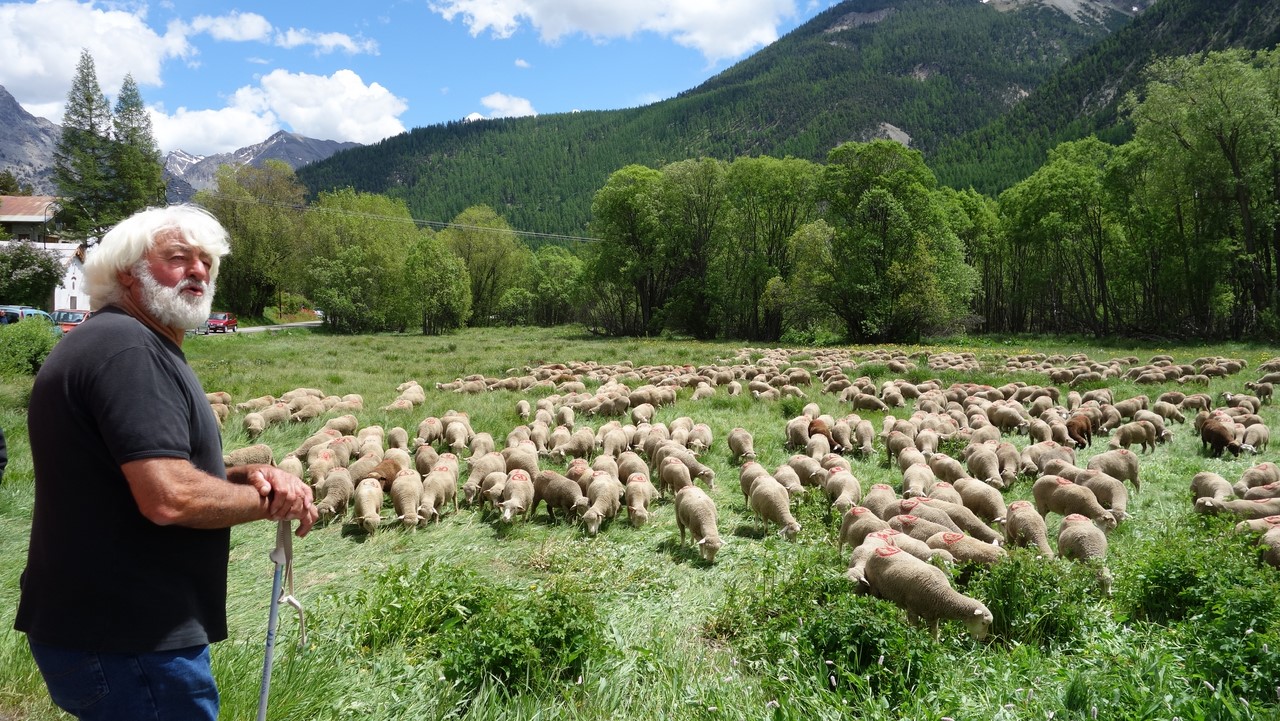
pixel 99 575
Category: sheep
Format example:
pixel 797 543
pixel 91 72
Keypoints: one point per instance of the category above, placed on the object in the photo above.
pixel 797 432
pixel 344 424
pixel 368 504
pixel 255 404
pixel 964 547
pixel 400 457
pixel 439 487
pixel 1110 492
pixel 638 494
pixel 560 493
pixel 923 591
pixel 523 409
pixel 882 501
pixel 1023 526
pixel 916 479
pixel 924 508
pixel 430 430
pixel 406 496
pixel 771 503
pixel 578 445
pixel 943 491
pixel 259 453
pixel 1140 432
pixel 1036 455
pixel 604 495
pixel 964 519
pixel 1118 463
pixel 843 490
pixel 1270 543
pixel 1059 495
pixel 517 495
pixel 491 488
pixel 915 526
pixel 741 445
pixel 984 465
pixel 334 492
pixel 986 502
pixel 1256 436
pixel 856 523
pixel 790 480
pixel 523 455
pixel 1215 436
pixel 1258 525
pixel 1263 390
pixel 398 437
pixel 696 512
pixel 1259 475
pixel 864 435
pixel 642 413
pixel 478 468
pixel 1208 488
pixel 1080 540
pixel 292 465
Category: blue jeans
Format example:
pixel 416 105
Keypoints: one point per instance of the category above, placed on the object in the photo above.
pixel 157 686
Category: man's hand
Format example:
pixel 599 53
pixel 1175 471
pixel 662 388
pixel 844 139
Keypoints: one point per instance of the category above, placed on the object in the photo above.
pixel 290 498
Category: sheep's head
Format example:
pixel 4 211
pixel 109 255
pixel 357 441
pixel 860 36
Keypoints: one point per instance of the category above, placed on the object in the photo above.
pixel 979 623
pixel 708 546
pixel 789 531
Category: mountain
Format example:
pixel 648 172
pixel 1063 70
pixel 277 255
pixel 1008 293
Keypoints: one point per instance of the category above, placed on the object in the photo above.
pixel 26 145
pixel 922 71
pixel 200 172
pixel 1084 96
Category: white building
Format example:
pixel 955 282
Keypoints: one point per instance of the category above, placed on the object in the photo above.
pixel 27 218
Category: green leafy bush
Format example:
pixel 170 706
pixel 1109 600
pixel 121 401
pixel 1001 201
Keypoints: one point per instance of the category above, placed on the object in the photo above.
pixel 1035 600
pixel 1179 571
pixel 403 606
pixel 25 345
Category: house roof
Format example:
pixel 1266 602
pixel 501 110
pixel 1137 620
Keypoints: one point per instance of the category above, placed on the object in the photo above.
pixel 26 208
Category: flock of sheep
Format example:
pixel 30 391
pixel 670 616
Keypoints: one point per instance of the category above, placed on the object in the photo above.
pixel 947 508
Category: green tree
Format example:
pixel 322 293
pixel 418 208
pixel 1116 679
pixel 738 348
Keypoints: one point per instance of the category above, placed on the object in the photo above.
pixel 356 244
pixel 10 185
pixel 28 274
pixel 135 160
pixel 82 157
pixel 439 297
pixel 630 256
pixel 262 210
pixel 494 257
pixel 557 284
pixel 899 269
pixel 691 207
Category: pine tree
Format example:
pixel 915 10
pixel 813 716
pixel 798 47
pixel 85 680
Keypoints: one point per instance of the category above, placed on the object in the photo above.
pixel 136 162
pixel 82 158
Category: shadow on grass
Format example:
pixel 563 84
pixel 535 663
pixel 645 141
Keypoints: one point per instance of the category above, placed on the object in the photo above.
pixel 749 530
pixel 681 553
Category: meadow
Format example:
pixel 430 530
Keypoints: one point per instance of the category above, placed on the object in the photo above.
pixel 472 619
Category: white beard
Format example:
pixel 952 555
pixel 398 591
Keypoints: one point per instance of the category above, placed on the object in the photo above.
pixel 169 306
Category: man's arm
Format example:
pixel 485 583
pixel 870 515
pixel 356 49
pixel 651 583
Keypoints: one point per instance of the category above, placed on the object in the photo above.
pixel 171 491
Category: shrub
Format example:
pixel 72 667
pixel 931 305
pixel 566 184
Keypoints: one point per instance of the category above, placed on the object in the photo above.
pixel 1179 571
pixel 25 345
pixel 1035 601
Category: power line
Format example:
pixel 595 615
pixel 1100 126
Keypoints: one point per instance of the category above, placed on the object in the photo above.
pixel 439 224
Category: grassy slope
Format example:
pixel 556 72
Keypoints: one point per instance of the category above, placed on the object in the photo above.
pixel 656 596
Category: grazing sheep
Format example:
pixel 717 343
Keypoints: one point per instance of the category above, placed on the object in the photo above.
pixel 290 464
pixel 604 495
pixel 965 520
pixel 964 547
pixel 638 494
pixel 925 508
pixel 1215 437
pixel 255 404
pixel 984 465
pixel 882 501
pixel 579 444
pixel 947 468
pixel 1023 526
pixel 943 491
pixel 1256 436
pixel 368 504
pixel 916 479
pixel 1119 463
pixel 491 488
pixel 1270 543
pixel 741 445
pixel 790 480
pixel 923 591
pixel 1140 432
pixel 1035 456
pixel 673 475
pixel 696 512
pixel 1058 495
pixel 856 523
pixel 479 467
pixel 986 502
pixel 1208 488
pixel 259 453
pixel 843 490
pixel 1080 430
pixel 517 495
pixel 334 492
pixel 1080 540
pixel 1258 525
pixel 439 487
pixel 406 496
pixel 560 493
pixel 809 470
pixel 425 458
pixel 1110 492
pixel 772 504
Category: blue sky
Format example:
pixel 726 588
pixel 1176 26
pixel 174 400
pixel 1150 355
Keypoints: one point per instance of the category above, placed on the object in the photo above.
pixel 219 75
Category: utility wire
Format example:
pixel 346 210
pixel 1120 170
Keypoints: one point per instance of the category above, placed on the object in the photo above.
pixel 396 218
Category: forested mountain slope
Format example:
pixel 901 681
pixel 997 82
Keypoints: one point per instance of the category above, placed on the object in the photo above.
pixel 1083 97
pixel 927 69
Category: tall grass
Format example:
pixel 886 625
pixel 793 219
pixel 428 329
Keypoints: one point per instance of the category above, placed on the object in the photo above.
pixel 467 619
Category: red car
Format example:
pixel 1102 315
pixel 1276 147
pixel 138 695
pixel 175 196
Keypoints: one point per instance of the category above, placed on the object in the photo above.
pixel 68 319
pixel 220 322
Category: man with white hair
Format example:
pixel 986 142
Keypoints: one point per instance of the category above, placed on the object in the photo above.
pixel 126 578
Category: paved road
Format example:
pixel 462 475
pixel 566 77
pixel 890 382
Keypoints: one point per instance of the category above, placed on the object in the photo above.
pixel 260 328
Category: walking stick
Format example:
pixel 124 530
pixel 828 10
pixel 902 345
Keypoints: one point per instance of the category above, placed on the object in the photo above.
pixel 282 556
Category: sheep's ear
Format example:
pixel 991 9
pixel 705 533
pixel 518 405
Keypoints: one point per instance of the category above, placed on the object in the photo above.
pixel 704 540
pixel 977 612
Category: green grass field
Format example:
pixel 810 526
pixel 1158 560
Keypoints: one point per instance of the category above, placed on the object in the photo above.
pixel 470 619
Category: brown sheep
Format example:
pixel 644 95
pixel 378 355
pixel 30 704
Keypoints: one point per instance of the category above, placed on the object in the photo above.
pixel 1215 437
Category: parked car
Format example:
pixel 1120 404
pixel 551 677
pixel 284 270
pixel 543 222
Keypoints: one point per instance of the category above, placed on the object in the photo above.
pixel 68 319
pixel 16 313
pixel 221 322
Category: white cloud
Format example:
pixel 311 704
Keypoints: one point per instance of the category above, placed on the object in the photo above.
pixel 501 105
pixel 40 42
pixel 719 29
pixel 325 42
pixel 236 27
pixel 337 107
pixel 522 63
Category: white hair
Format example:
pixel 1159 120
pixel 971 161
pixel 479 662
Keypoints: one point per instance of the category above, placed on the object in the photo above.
pixel 128 242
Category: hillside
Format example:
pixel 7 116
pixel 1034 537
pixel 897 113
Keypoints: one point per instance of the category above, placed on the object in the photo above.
pixel 1084 96
pixel 917 70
